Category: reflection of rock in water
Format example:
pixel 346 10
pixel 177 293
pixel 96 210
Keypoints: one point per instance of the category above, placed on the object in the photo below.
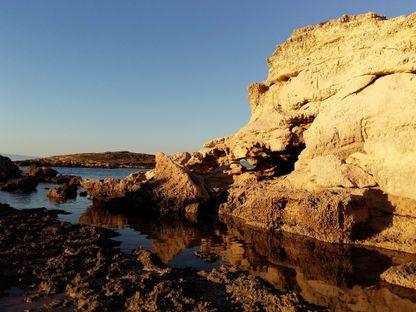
pixel 339 277
pixel 170 235
pixel 343 278
pixel 102 217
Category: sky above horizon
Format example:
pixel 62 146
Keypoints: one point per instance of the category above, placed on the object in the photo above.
pixel 144 76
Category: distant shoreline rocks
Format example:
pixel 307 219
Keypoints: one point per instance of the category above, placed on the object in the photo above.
pixel 123 159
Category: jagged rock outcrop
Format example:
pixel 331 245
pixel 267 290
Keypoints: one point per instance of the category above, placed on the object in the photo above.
pixel 111 187
pixel 329 151
pixel 169 187
pixel 336 116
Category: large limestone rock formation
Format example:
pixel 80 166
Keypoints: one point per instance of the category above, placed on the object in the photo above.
pixel 344 91
pixel 335 119
pixel 329 151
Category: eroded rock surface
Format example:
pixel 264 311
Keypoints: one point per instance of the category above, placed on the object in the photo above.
pixel 334 125
pixel 77 267
pixel 169 187
pixel 329 151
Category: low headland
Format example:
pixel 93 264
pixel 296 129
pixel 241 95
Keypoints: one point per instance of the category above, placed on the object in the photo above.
pixel 121 159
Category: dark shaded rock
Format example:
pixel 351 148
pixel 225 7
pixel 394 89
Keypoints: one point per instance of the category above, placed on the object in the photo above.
pixel 40 172
pixel 63 193
pixel 7 169
pixel 83 193
pixel 6 210
pixel 23 185
pixel 206 256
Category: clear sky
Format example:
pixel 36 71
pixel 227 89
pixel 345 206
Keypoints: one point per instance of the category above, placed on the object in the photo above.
pixel 80 76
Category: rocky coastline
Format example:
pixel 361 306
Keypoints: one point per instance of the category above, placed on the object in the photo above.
pixel 328 152
pixel 328 155
pixel 79 267
pixel 121 159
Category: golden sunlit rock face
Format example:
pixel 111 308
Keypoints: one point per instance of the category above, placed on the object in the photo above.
pixel 339 103
pixel 344 91
pixel 330 145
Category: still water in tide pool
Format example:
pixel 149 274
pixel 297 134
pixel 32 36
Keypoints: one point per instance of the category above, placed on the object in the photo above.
pixel 342 278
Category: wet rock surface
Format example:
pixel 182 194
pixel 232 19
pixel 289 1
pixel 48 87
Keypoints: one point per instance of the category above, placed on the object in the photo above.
pixel 77 267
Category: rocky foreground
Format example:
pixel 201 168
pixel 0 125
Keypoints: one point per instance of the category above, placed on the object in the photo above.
pixel 329 151
pixel 95 160
pixel 63 266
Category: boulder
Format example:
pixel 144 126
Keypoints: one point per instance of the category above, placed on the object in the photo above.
pixel 173 187
pixel 7 169
pixel 169 187
pixel 40 172
pixel 63 193
pixel 107 188
pixel 22 185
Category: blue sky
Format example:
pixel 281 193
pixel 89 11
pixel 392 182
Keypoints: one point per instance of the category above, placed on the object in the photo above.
pixel 80 76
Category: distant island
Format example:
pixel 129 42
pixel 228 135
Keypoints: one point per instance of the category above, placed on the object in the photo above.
pixel 122 159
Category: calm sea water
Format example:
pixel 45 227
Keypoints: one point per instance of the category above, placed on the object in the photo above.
pixel 339 277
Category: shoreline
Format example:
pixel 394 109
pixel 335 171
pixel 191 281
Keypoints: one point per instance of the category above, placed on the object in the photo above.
pixel 80 267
